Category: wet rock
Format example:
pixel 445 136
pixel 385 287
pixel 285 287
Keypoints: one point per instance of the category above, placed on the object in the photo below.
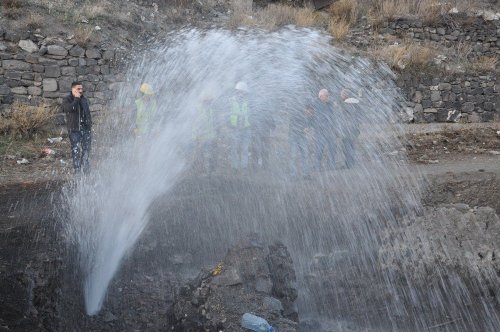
pixel 470 237
pixel 251 278
pixel 109 317
pixel 273 305
pixel 310 325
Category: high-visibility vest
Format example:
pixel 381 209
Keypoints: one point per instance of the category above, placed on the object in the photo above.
pixel 239 114
pixel 145 114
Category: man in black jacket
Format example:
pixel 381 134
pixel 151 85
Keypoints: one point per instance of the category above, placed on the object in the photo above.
pixel 79 123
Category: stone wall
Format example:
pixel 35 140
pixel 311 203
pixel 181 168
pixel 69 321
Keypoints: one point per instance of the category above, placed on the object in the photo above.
pixel 39 70
pixel 482 34
pixel 465 97
pixel 457 98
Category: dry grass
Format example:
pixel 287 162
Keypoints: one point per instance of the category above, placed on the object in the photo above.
pixel 275 16
pixel 241 13
pixel 71 11
pixel 345 10
pixel 486 63
pixel 428 10
pixel 25 120
pixel 272 16
pixel 407 56
pixel 35 21
pixel 338 28
pixel 305 17
pixel 431 10
pixel 91 11
pixel 462 50
pixel 12 9
pixel 83 35
pixel 343 14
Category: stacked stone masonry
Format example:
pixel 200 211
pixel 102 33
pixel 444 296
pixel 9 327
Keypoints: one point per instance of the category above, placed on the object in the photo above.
pixel 38 70
pixel 483 35
pixel 474 94
pixel 455 98
pixel 465 97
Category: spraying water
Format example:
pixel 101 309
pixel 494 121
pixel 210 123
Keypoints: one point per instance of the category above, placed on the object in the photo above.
pixel 333 220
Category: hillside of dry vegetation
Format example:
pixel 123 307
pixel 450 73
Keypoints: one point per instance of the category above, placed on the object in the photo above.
pixel 134 24
pixel 136 21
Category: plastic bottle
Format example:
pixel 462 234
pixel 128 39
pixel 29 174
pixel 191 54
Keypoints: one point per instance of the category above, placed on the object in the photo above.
pixel 256 323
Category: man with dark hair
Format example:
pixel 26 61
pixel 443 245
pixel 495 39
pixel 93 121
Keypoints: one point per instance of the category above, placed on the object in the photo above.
pixel 79 123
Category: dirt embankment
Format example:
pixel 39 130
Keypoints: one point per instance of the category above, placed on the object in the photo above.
pixel 39 282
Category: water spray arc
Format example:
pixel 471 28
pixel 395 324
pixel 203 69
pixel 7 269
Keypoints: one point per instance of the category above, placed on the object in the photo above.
pixel 338 217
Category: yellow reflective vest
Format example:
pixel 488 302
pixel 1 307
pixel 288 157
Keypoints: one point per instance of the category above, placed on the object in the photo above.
pixel 146 110
pixel 239 114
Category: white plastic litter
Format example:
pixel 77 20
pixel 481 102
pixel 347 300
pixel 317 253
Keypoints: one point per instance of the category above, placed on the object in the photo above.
pixel 55 139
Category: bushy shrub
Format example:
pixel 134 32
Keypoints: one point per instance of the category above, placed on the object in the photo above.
pixel 25 119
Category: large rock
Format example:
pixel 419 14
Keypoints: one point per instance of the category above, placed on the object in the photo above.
pixel 93 54
pixel 19 90
pixel 468 107
pixel 77 51
pixel 49 85
pixel 4 90
pixel 56 50
pixel 28 46
pixel 52 71
pixel 252 278
pixel 15 65
pixel 34 91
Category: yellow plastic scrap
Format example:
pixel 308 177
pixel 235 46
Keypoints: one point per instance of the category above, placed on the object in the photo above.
pixel 217 270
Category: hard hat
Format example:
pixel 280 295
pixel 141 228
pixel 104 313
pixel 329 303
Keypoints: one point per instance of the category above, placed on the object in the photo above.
pixel 351 101
pixel 241 86
pixel 146 89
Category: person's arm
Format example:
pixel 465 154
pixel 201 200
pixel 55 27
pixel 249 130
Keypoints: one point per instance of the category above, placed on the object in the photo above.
pixel 70 106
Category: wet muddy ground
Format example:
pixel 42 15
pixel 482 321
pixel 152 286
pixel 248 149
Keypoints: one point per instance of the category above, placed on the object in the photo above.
pixel 39 279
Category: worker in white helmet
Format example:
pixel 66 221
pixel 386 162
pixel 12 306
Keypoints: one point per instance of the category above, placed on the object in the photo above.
pixel 239 126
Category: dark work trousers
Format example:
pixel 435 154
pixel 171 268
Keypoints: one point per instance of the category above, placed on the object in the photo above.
pixel 80 149
pixel 329 144
pixel 299 147
pixel 348 148
pixel 260 150
pixel 206 155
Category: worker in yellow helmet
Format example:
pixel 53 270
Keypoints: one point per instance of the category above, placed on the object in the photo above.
pixel 146 110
